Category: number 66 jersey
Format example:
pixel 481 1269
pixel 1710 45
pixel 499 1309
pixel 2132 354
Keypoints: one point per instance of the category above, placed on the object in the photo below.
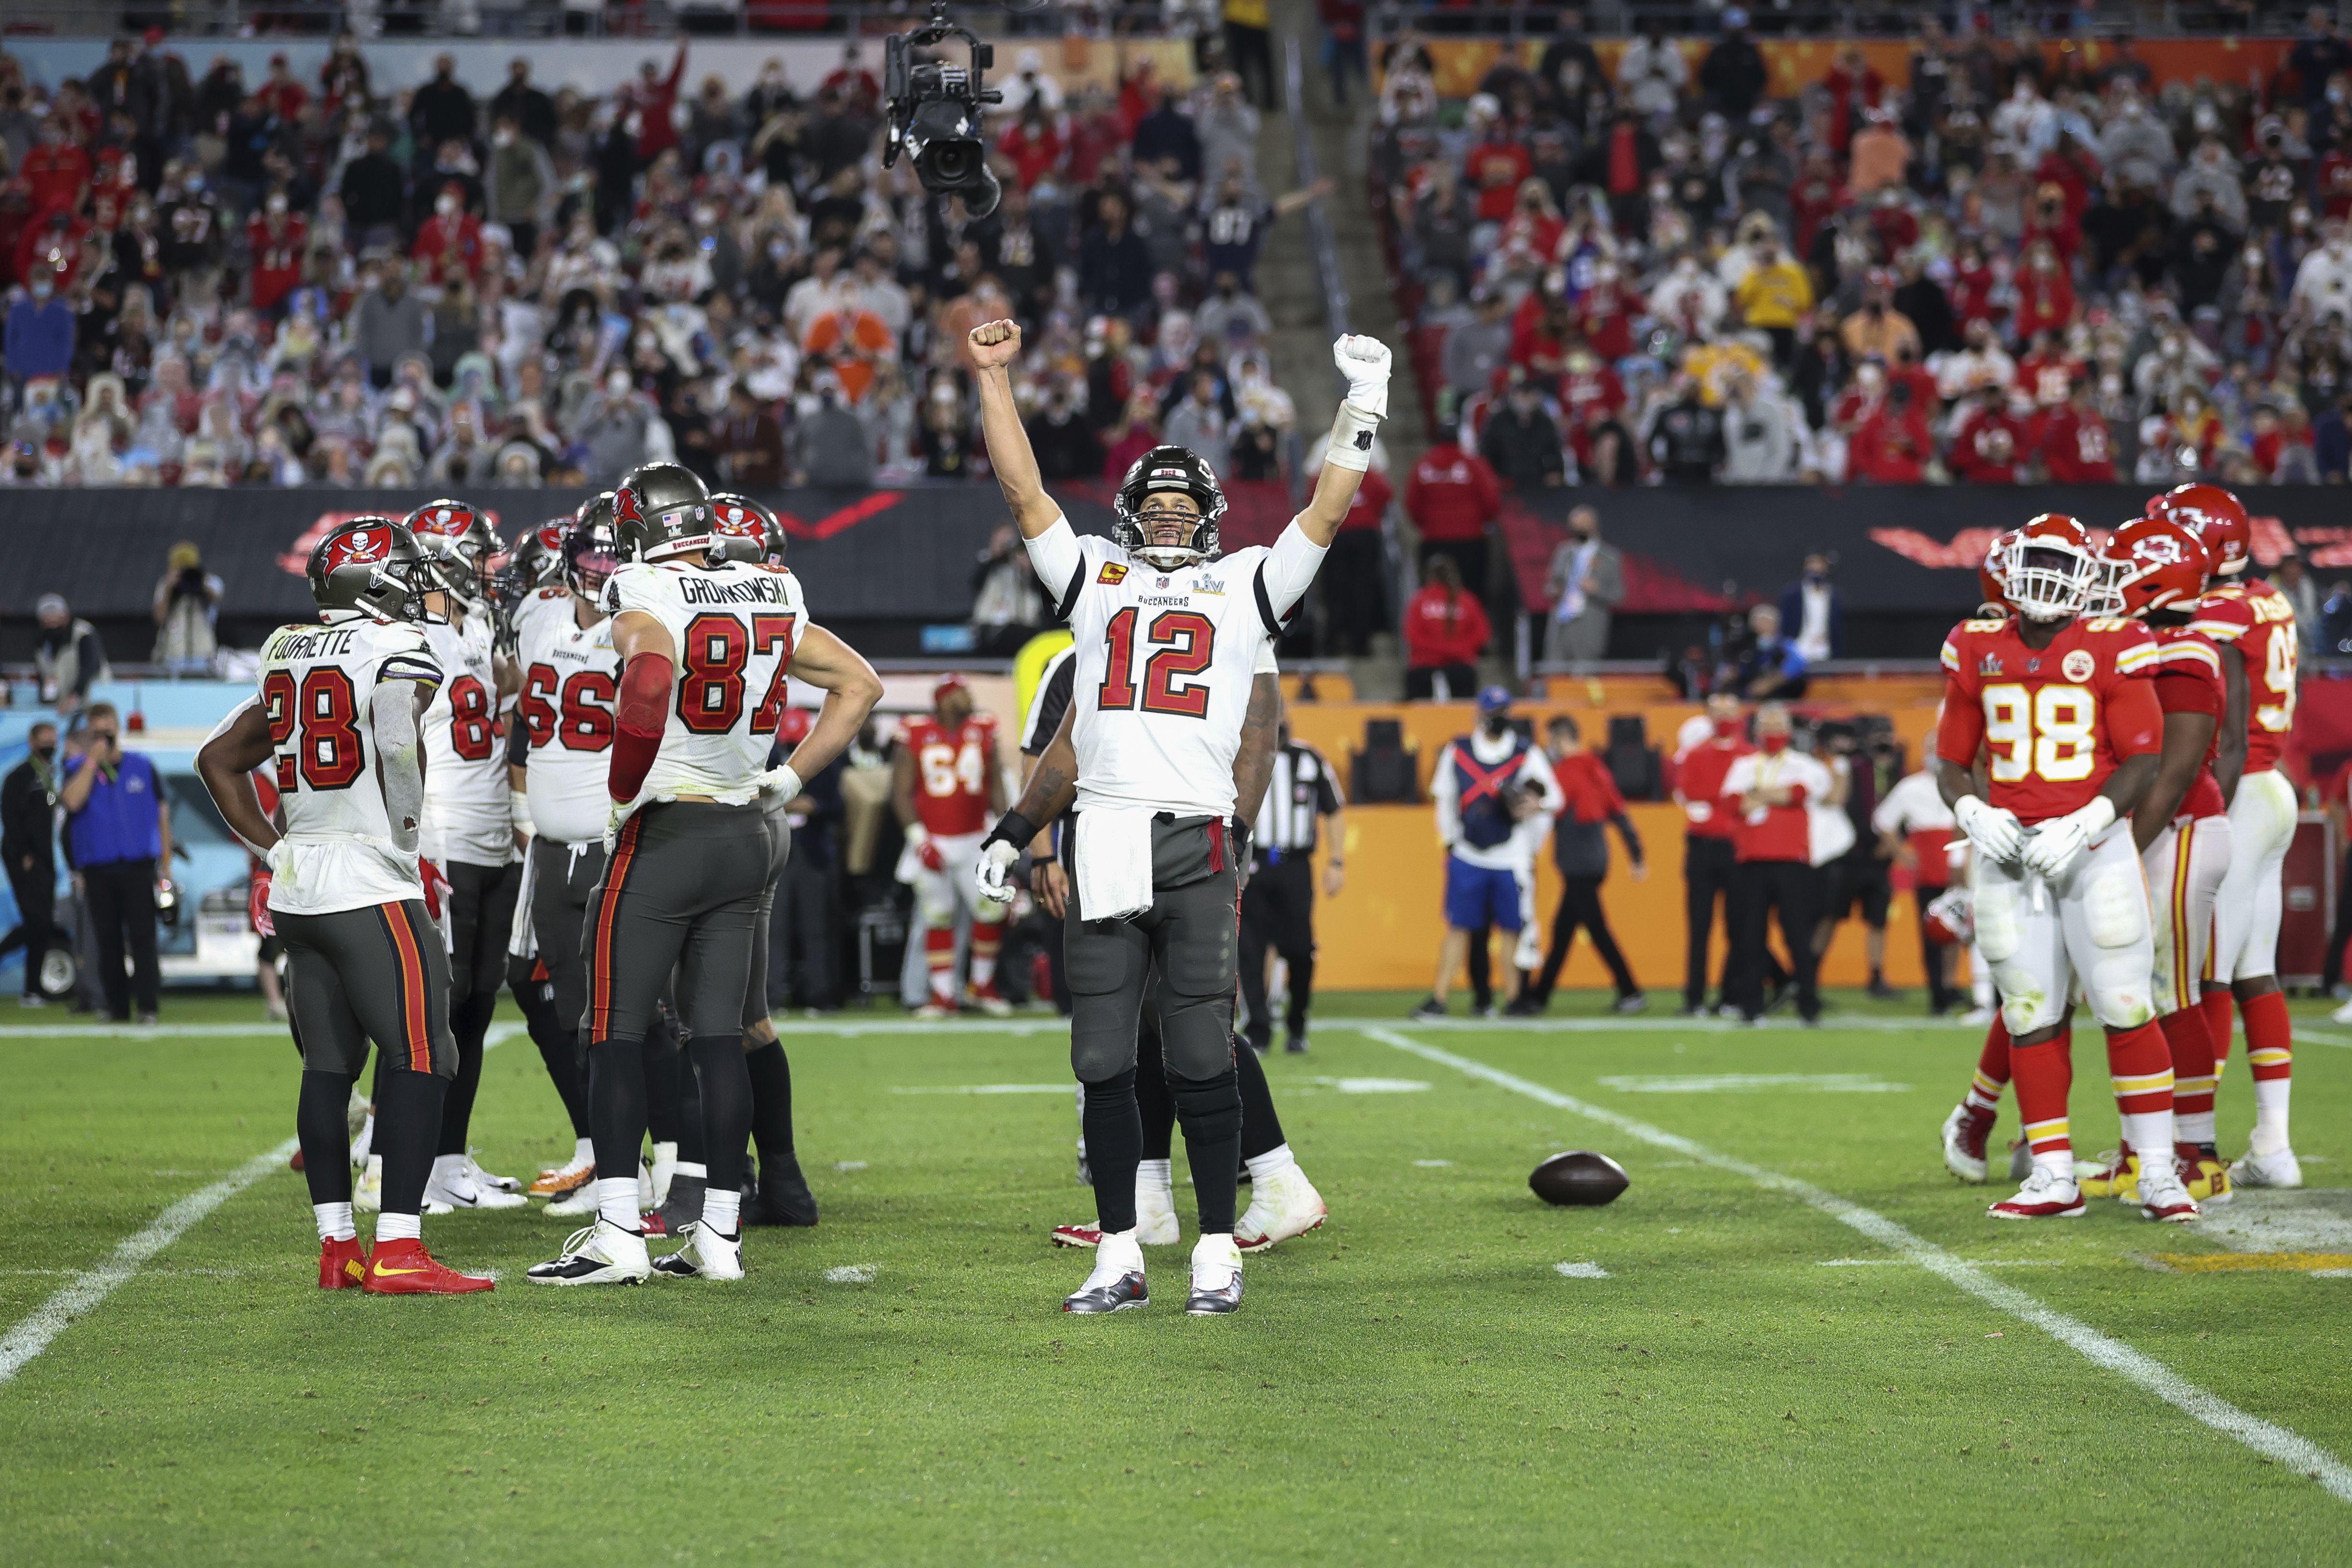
pixel 735 625
pixel 2055 721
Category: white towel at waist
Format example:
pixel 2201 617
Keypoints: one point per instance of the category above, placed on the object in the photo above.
pixel 1114 868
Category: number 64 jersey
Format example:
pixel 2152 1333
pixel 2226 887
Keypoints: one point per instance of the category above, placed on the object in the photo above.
pixel 2055 721
pixel 735 625
pixel 316 685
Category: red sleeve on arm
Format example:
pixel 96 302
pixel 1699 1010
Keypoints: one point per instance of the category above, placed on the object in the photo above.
pixel 1962 731
pixel 2187 694
pixel 2135 722
pixel 640 716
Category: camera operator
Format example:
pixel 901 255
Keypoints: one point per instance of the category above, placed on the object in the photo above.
pixel 187 606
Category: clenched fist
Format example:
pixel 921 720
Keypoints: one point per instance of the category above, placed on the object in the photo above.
pixel 995 343
pixel 1365 363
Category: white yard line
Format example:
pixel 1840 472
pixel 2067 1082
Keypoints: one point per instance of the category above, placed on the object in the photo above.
pixel 882 1023
pixel 31 1337
pixel 2264 1437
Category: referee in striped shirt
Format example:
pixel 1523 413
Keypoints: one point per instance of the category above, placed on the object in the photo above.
pixel 1302 800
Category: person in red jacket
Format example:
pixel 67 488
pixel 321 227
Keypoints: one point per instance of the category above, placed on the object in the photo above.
pixel 275 237
pixel 2045 295
pixel 653 96
pixel 1445 630
pixel 56 174
pixel 1453 499
pixel 450 241
pixel 1988 447
pixel 2075 446
pixel 1892 445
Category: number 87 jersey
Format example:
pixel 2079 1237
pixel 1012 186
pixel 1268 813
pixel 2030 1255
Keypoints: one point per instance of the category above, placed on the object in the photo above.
pixel 735 625
pixel 2053 721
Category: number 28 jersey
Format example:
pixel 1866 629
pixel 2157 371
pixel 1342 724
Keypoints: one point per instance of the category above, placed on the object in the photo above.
pixel 316 685
pixel 1161 678
pixel 2055 722
pixel 735 625
pixel 2260 621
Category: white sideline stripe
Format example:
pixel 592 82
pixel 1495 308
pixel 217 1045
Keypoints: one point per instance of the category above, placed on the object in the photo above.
pixel 30 1338
pixel 2264 1437
pixel 500 1033
pixel 2322 1037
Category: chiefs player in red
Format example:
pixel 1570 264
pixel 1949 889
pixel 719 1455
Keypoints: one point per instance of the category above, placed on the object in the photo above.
pixel 946 785
pixel 2252 623
pixel 2071 728
pixel 2157 572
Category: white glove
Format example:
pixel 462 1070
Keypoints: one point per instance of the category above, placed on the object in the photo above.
pixel 779 780
pixel 616 813
pixel 993 871
pixel 1994 830
pixel 2051 848
pixel 1365 363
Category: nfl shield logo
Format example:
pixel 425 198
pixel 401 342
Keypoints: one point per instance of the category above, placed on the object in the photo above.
pixel 1163 582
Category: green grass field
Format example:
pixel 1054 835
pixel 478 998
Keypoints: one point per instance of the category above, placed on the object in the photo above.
pixel 1758 1376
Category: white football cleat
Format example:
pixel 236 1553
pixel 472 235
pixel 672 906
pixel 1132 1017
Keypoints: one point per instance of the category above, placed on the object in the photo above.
pixel 707 1254
pixel 598 1254
pixel 561 1180
pixel 453 1187
pixel 2279 1170
pixel 1964 1143
pixel 2161 1194
pixel 1216 1278
pixel 367 1192
pixel 665 1171
pixel 484 1179
pixel 2046 1194
pixel 580 1203
pixel 1283 1205
pixel 2342 1015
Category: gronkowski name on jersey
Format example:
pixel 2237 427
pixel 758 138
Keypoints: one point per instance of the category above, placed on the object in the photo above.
pixel 951 768
pixel 2055 720
pixel 467 816
pixel 316 683
pixel 735 625
pixel 570 676
pixel 2259 621
pixel 2187 678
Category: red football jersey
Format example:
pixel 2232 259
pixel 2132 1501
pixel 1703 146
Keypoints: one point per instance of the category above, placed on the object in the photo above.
pixel 951 771
pixel 2055 721
pixel 2258 618
pixel 2188 681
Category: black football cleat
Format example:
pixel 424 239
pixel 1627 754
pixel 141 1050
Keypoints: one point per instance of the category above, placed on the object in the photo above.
pixel 1117 1294
pixel 781 1197
pixel 1216 1279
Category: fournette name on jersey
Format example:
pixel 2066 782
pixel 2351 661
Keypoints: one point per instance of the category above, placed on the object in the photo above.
pixel 2043 714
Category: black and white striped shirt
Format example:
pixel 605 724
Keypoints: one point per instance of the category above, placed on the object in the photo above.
pixel 1301 791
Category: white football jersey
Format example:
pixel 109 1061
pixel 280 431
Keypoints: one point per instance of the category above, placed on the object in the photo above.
pixel 466 813
pixel 316 685
pixel 1164 661
pixel 735 625
pixel 542 604
pixel 570 676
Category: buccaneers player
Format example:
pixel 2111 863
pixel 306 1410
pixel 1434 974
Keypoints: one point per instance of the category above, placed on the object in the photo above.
pixel 2072 730
pixel 2254 626
pixel 946 785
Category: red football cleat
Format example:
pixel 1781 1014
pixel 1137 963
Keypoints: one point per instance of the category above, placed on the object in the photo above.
pixel 1076 1235
pixel 341 1265
pixel 296 1162
pixel 405 1268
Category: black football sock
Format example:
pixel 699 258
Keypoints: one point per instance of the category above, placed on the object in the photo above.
pixel 558 1048
pixel 725 1124
pixel 772 1104
pixel 561 1060
pixel 692 1136
pixel 1114 1132
pixel 326 1136
pixel 662 1068
pixel 1154 1101
pixel 407 1126
pixel 1261 1128
pixel 469 1021
pixel 616 1105
pixel 1210 1109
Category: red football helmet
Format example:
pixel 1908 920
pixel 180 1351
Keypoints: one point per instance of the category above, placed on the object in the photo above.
pixel 2050 568
pixel 2153 562
pixel 1994 592
pixel 2217 516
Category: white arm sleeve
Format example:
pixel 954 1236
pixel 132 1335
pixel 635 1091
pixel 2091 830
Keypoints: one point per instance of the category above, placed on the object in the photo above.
pixel 1441 794
pixel 391 713
pixel 1285 575
pixel 1538 768
pixel 1057 560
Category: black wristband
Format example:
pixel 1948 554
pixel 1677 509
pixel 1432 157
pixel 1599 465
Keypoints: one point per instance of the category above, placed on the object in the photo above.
pixel 1010 828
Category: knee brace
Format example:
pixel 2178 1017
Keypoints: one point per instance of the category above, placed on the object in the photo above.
pixel 2114 909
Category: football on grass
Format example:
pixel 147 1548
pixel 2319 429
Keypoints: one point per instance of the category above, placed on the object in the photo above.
pixel 1580 1177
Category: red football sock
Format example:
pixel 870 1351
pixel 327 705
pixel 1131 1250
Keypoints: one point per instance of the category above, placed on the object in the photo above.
pixel 987 939
pixel 2216 1005
pixel 1992 1068
pixel 2139 1062
pixel 2045 1075
pixel 2192 1059
pixel 939 953
pixel 2269 1051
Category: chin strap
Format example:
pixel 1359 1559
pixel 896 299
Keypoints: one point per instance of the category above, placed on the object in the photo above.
pixel 640 716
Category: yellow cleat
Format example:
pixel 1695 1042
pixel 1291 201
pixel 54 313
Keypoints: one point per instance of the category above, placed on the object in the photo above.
pixel 2116 1176
pixel 2204 1173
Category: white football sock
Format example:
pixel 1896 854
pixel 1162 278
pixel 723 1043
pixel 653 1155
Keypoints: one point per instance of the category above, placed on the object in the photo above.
pixel 390 1227
pixel 2196 1127
pixel 1273 1163
pixel 2269 1114
pixel 2149 1133
pixel 1116 1253
pixel 335 1222
pixel 689 1168
pixel 1159 1176
pixel 721 1210
pixel 2058 1162
pixel 583 1150
pixel 616 1201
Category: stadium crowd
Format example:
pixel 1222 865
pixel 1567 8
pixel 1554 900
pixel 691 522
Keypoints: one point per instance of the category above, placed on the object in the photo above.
pixel 2007 267
pixel 347 281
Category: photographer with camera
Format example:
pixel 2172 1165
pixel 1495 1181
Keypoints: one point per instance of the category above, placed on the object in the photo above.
pixel 187 606
pixel 119 837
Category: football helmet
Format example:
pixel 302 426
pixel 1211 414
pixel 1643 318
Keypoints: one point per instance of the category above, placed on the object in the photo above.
pixel 745 530
pixel 661 509
pixel 2151 562
pixel 537 561
pixel 2050 568
pixel 1988 576
pixel 591 554
pixel 2216 516
pixel 371 566
pixel 461 545
pixel 1162 469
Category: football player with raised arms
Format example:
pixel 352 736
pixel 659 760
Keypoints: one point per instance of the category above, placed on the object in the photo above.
pixel 2072 728
pixel 946 786
pixel 2253 625
pixel 1167 632
pixel 338 716
pixel 466 833
pixel 706 644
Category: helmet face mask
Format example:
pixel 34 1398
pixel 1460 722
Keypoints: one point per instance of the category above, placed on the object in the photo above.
pixel 662 510
pixel 590 554
pixel 1989 584
pixel 2050 569
pixel 371 567
pixel 1147 503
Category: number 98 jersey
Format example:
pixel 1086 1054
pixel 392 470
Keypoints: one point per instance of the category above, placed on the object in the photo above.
pixel 735 625
pixel 2055 721
pixel 316 685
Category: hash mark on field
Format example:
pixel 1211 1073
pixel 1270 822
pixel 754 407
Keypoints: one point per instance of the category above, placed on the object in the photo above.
pixel 2266 1439
pixel 1580 1271
pixel 1744 1082
pixel 851 1274
pixel 1434 1165
pixel 31 1337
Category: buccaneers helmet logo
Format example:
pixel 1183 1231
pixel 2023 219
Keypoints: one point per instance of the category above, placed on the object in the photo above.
pixel 625 507
pixel 360 547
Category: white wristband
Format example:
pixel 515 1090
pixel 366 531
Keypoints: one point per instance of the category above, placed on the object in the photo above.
pixel 519 809
pixel 781 780
pixel 918 835
pixel 1353 430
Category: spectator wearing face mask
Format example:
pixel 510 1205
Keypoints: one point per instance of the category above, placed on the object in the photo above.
pixel 521 186
pixel 40 333
pixel 389 323
pixel 67 654
pixel 1521 441
pixel 1586 583
pixel 2322 285
pixel 1813 606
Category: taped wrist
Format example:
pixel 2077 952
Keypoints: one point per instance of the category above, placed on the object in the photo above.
pixel 640 716
pixel 1353 430
pixel 1010 828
